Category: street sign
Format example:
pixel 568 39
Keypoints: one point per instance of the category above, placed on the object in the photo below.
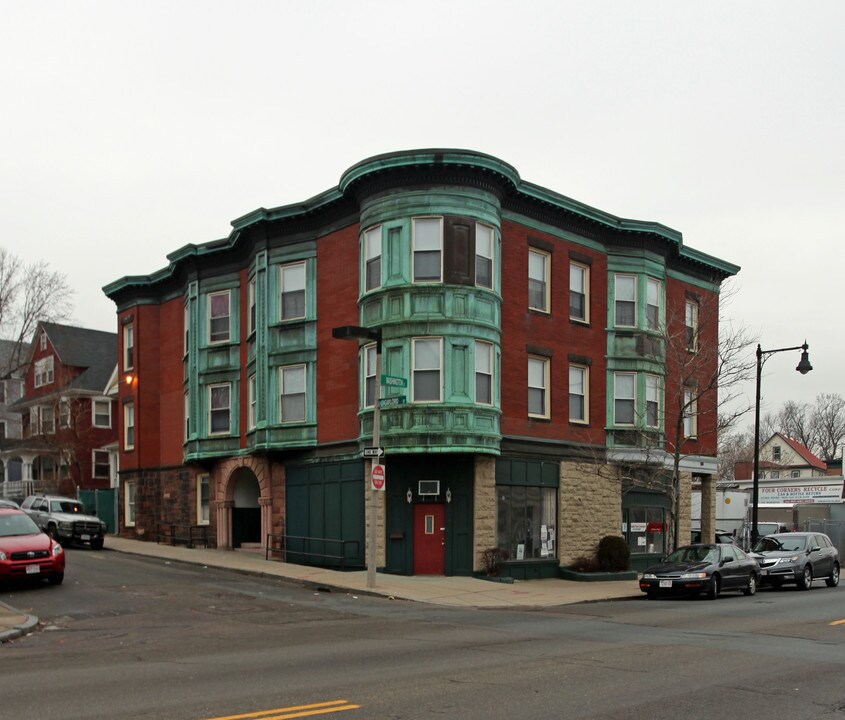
pixel 373 452
pixel 378 477
pixel 392 401
pixel 393 381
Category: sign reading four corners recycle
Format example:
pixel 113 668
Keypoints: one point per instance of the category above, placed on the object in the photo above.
pixel 378 477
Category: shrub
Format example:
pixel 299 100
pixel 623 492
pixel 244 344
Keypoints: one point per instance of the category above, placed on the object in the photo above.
pixel 613 554
pixel 493 560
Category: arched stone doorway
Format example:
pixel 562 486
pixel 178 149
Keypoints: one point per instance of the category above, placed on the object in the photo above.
pixel 244 504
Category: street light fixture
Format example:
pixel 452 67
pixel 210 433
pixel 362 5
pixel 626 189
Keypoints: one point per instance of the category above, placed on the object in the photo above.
pixel 803 367
pixel 356 332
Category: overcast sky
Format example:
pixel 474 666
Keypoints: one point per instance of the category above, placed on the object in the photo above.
pixel 131 129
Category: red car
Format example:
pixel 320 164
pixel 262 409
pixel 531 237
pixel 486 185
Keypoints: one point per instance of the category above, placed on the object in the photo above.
pixel 25 551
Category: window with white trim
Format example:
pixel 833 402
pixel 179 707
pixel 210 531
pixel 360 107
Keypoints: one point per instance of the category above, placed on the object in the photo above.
pixel 579 292
pixel 625 300
pixel 219 316
pixel 538 280
pixel 128 346
pixel 129 426
pixel 292 400
pixel 64 413
pixel 203 500
pixel 44 371
pixel 483 372
pixel 691 325
pixel 100 464
pixel 129 503
pixel 484 244
pixel 292 283
pixel 652 401
pixel 428 249
pixel 578 393
pixel 427 362
pixel 251 415
pixel 370 360
pixel 538 387
pixel 101 413
pixel 219 409
pixel 652 304
pixel 250 303
pixel 372 258
pixel 624 398
pixel 690 414
pixel 48 420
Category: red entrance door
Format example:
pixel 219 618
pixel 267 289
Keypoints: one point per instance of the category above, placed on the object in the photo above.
pixel 429 539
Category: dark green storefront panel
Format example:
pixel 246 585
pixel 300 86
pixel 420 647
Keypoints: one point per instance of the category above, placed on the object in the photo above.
pixel 102 504
pixel 325 502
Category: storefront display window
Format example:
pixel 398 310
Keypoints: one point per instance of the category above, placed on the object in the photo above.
pixel 526 521
pixel 645 530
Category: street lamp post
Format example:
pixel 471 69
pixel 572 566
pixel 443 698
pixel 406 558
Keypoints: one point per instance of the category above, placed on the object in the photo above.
pixel 356 332
pixel 803 367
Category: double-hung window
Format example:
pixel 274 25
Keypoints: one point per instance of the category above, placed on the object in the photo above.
pixel 578 386
pixel 219 409
pixel 625 298
pixel 427 362
pixel 203 500
pixel 652 304
pixel 186 329
pixel 186 410
pixel 428 249
pixel 538 280
pixel 44 371
pixel 372 258
pixel 579 288
pixel 219 313
pixel 483 372
pixel 293 291
pixel 101 410
pixel 484 243
pixel 128 346
pixel 691 325
pixel 690 413
pixel 48 420
pixel 129 426
pixel 652 401
pixel 129 508
pixel 538 387
pixel 370 359
pixel 292 383
pixel 251 414
pixel 250 303
pixel 624 398
pixel 101 464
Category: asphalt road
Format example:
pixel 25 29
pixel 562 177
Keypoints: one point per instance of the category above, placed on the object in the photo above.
pixel 127 637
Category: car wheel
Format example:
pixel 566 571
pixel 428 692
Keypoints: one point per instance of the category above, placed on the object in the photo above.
pixel 713 589
pixel 97 544
pixel 56 578
pixel 751 586
pixel 806 580
pixel 833 580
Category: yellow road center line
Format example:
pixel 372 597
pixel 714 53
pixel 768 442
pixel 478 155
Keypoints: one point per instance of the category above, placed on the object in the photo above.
pixel 838 622
pixel 293 711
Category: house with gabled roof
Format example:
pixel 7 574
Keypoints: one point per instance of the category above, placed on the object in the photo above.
pixel 67 416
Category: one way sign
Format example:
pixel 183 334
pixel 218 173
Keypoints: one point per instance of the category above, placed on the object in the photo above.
pixel 373 452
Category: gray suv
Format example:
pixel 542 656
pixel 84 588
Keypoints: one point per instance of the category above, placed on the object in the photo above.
pixel 797 557
pixel 65 520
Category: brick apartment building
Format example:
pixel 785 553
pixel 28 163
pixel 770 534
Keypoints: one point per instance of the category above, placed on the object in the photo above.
pixel 534 358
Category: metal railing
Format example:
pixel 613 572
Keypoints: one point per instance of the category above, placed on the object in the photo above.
pixel 175 534
pixel 295 548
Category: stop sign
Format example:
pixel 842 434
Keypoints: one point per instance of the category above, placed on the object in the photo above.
pixel 378 477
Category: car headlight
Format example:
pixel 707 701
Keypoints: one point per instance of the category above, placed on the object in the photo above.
pixel 103 528
pixel 3 555
pixel 66 525
pixel 788 560
pixel 57 549
pixel 689 576
pixel 649 576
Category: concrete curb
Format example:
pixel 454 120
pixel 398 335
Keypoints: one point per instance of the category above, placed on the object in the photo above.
pixel 19 623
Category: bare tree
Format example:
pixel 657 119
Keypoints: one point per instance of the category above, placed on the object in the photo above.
pixel 29 293
pixel 828 424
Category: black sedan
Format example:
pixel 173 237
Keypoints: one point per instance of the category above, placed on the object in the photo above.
pixel 797 557
pixel 702 569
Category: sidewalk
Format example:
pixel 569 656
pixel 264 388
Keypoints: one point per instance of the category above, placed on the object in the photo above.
pixel 436 590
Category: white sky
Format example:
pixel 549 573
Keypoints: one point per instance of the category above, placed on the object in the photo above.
pixel 131 129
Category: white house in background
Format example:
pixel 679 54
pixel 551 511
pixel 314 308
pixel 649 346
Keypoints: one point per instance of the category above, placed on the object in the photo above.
pixel 11 390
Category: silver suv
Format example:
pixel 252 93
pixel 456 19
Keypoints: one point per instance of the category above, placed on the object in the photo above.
pixel 65 520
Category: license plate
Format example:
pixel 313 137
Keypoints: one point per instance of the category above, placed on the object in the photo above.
pixel 33 569
pixel 84 537
pixel 666 583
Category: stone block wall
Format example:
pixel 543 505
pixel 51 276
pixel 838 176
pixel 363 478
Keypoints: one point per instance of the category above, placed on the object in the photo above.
pixel 484 502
